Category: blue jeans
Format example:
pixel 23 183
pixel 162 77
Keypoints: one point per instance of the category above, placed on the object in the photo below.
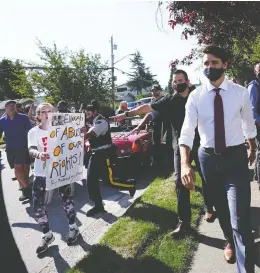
pixel 227 177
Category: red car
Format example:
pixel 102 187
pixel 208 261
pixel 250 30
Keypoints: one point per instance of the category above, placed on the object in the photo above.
pixel 133 151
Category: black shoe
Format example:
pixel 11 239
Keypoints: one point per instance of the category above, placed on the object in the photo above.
pixel 73 236
pixel 26 193
pixel 45 244
pixel 23 197
pixel 95 210
pixel 210 217
pixel 132 191
pixel 181 230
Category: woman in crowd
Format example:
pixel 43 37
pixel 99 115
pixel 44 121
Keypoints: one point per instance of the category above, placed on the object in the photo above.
pixel 37 138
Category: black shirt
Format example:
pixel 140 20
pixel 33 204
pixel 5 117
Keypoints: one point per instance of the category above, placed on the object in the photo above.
pixel 172 108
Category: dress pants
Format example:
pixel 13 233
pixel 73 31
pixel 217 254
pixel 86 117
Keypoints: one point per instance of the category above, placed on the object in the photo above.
pixel 183 194
pixel 227 177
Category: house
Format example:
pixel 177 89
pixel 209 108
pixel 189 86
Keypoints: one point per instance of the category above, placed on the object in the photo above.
pixel 127 96
pixel 124 88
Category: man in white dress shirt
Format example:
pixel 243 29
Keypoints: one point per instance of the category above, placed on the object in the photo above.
pixel 222 111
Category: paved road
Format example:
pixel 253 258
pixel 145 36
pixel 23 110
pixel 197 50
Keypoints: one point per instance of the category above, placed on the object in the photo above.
pixel 209 257
pixel 60 257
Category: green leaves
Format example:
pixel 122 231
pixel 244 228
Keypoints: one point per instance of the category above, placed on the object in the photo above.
pixel 72 76
pixel 14 83
pixel 142 77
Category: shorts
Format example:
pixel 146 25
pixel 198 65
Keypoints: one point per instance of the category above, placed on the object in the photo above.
pixel 18 156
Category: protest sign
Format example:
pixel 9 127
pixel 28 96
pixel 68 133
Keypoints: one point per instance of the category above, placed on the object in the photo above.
pixel 65 146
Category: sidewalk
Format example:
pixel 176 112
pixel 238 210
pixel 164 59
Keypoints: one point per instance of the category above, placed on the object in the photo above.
pixel 59 258
pixel 209 256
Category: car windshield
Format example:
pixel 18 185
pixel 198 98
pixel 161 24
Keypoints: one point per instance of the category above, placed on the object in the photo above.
pixel 130 104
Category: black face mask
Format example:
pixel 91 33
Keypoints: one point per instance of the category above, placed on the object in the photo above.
pixel 213 74
pixel 181 87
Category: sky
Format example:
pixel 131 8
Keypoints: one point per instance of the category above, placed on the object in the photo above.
pixel 87 24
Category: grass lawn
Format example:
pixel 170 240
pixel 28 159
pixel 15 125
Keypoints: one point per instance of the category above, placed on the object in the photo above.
pixel 139 241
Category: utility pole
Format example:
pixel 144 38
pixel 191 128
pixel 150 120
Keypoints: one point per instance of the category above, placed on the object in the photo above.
pixel 113 72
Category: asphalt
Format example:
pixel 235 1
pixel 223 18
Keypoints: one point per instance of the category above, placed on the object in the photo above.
pixel 59 258
pixel 209 256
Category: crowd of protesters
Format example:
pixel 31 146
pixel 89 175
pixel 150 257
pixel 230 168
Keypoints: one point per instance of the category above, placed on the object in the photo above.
pixel 207 124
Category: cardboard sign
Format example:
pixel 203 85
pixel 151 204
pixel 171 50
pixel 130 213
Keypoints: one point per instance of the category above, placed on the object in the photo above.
pixel 65 146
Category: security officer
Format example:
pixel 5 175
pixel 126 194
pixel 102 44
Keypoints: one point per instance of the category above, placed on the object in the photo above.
pixel 102 158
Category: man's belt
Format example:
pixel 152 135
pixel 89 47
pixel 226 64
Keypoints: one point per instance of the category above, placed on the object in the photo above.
pixel 101 148
pixel 227 149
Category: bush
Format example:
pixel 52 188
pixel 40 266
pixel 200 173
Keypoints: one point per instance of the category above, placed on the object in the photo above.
pixel 107 111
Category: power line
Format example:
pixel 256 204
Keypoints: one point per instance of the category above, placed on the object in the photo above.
pixel 123 72
pixel 6 68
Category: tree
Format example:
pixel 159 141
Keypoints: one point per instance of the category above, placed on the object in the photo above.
pixel 169 89
pixel 229 24
pixel 142 77
pixel 14 83
pixel 72 76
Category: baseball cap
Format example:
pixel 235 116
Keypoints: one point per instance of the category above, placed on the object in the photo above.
pixel 156 87
pixel 9 102
pixel 19 105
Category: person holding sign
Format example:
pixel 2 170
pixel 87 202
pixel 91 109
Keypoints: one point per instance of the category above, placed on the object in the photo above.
pixel 37 143
pixel 102 151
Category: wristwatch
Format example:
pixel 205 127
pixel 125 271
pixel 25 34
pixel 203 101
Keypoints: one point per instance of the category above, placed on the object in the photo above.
pixel 127 114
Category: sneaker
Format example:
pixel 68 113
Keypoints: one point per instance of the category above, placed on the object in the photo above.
pixel 23 197
pixel 26 194
pixel 95 211
pixel 72 236
pixel 46 240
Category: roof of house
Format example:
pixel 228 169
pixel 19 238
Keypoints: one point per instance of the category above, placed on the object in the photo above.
pixel 124 94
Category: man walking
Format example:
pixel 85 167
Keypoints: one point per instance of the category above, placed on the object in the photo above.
pixel 222 111
pixel 254 89
pixel 173 108
pixel 15 127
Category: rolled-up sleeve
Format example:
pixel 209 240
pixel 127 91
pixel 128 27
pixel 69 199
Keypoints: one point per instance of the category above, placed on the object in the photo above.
pixel 248 123
pixel 253 93
pixel 190 122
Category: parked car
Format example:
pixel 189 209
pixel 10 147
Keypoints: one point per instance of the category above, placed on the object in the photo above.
pixel 131 105
pixel 133 152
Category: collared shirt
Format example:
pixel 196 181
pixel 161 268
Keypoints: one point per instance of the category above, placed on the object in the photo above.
pixel 238 115
pixel 100 126
pixel 15 130
pixel 172 108
pixel 253 92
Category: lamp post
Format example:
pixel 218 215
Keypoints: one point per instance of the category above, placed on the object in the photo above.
pixel 114 47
